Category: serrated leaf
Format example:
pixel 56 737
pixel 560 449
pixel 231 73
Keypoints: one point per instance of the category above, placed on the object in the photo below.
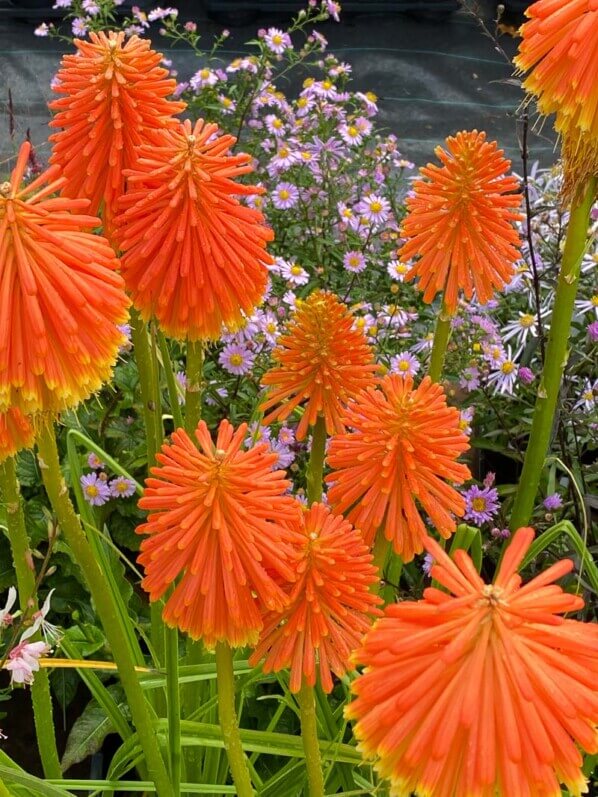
pixel 90 730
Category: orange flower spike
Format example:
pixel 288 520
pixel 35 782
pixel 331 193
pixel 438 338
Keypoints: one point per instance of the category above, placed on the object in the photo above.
pixel 60 296
pixel 402 445
pixel 194 256
pixel 331 606
pixel 322 361
pixel 114 100
pixel 460 222
pixel 559 50
pixel 481 690
pixel 16 433
pixel 221 527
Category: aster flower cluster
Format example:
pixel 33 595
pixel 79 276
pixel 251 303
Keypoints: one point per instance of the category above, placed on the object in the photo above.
pixel 98 488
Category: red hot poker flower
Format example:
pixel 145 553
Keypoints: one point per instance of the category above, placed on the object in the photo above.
pixel 221 523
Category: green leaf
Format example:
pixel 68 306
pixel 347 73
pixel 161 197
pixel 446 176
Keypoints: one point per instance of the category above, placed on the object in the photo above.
pixel 35 786
pixel 87 639
pixel 90 730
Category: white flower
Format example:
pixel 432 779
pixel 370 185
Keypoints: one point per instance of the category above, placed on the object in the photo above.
pixel 6 617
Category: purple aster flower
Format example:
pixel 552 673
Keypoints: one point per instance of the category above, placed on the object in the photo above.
pixel 285 456
pixel 489 479
pixel 202 78
pixel 274 124
pixel 354 261
pixel 94 462
pixel 277 41
pixel 236 359
pixel 257 434
pixel 286 436
pixel 593 331
pixel 333 9
pixel 95 490
pixel 162 13
pixel 553 502
pixel 481 504
pixel 79 27
pixel 428 564
pixel 525 375
pixel 350 133
pixel 397 270
pixel 465 419
pixel 294 273
pixel 121 487
pixel 404 364
pixel 375 209
pixel 90 7
pixel 285 196
pixel 470 378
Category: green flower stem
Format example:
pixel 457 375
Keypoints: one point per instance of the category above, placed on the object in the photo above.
pixel 25 573
pixel 173 394
pixel 148 379
pixel 194 383
pixel 143 357
pixel 556 358
pixel 237 759
pixel 441 338
pixel 105 605
pixel 309 736
pixel 315 466
pixel 174 707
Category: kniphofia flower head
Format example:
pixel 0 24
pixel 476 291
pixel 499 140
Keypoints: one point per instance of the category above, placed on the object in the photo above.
pixel 483 689
pixel 194 256
pixel 559 50
pixel 220 527
pixel 331 605
pixel 399 451
pixel 60 296
pixel 114 100
pixel 320 363
pixel 460 222
pixel 16 432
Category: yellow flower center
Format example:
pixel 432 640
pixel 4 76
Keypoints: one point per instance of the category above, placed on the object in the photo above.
pixel 526 321
pixel 204 74
pixel 306 155
pixel 463 424
pixel 271 326
pixel 327 84
pixel 402 268
pixel 476 347
pixel 301 102
pixel 588 395
pixel 236 359
pixel 594 300
pixel 347 213
pixel 507 367
pixel 360 323
pixel 283 193
pixel 371 96
pixel 376 207
pixel 403 365
pixel 353 131
pixel 277 39
pixel 277 123
pixel 296 270
pixel 92 491
pixel 226 101
pixel 283 152
pixel 372 331
pixel 308 82
pixel 478 504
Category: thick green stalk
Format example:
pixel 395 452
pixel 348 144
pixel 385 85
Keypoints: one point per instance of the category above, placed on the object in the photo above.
pixel 148 381
pixel 173 394
pixel 194 383
pixel 174 707
pixel 556 358
pixel 143 358
pixel 309 736
pixel 441 338
pixel 74 535
pixel 237 759
pixel 315 466
pixel 21 554
pixel 3 790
